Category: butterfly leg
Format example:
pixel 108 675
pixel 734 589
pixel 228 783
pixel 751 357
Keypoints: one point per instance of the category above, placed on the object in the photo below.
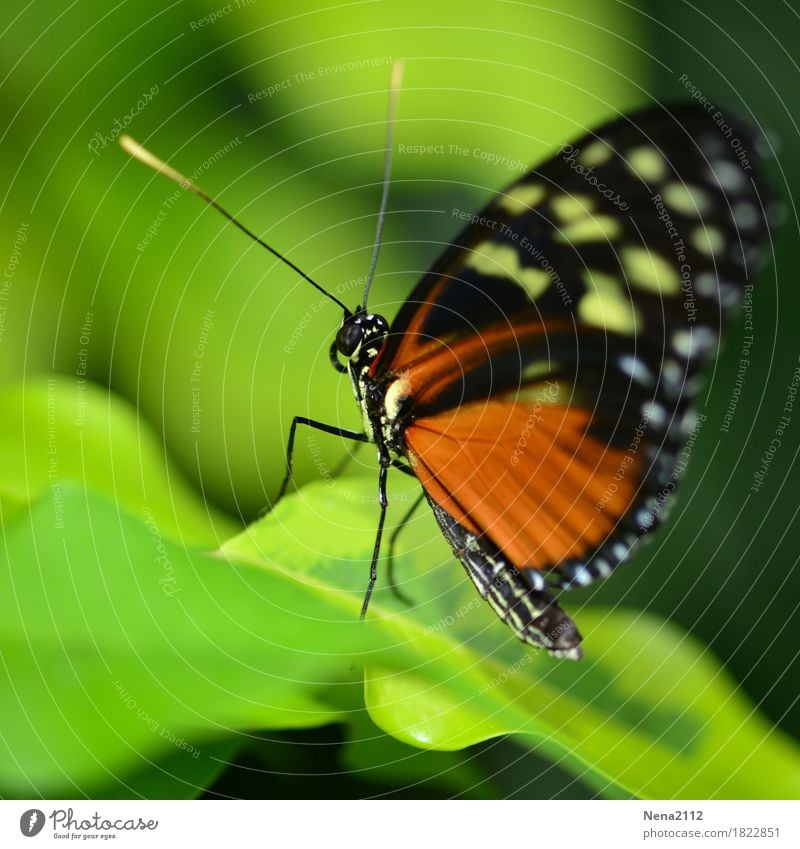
pixel 373 569
pixel 325 428
pixel 390 575
pixel 403 467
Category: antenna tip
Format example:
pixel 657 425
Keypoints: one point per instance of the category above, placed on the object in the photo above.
pixel 398 67
pixel 129 144
pixel 138 151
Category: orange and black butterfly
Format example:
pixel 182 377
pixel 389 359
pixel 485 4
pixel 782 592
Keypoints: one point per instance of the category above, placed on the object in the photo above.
pixel 539 380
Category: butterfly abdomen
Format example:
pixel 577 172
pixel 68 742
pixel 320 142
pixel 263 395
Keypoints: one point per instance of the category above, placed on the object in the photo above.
pixel 518 597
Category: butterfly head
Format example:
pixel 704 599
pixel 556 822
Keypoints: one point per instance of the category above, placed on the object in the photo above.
pixel 361 336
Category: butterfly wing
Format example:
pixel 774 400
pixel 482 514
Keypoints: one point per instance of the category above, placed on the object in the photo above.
pixel 525 478
pixel 654 221
pixel 522 485
pixel 541 375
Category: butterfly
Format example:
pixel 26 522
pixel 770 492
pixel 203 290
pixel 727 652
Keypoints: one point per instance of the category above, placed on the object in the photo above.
pixel 539 382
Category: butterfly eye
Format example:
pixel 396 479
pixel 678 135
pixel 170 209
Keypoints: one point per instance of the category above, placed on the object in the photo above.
pixel 349 338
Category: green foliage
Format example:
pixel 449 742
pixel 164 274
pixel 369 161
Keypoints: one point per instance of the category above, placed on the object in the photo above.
pixel 62 430
pixel 124 649
pixel 649 711
pixel 168 290
pixel 146 641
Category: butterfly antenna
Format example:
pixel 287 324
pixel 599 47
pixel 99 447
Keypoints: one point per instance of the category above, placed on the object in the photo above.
pixel 394 96
pixel 131 146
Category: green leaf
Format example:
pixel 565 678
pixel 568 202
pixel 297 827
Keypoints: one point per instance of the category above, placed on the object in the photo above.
pixel 182 774
pixel 372 755
pixel 63 430
pixel 648 712
pixel 120 648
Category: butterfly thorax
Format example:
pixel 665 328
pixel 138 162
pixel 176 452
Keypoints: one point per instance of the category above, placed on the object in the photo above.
pixel 361 338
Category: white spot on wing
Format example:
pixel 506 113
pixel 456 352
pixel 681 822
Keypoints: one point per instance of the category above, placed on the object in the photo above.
pixel 635 369
pixel 673 376
pixel 644 518
pixel 535 578
pixel 655 414
pixel 745 214
pixel 728 294
pixel 581 576
pixel 620 551
pixel 690 343
pixel 730 176
pixel 690 421
pixel 706 284
pixel 602 567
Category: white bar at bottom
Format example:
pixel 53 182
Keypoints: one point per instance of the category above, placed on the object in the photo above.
pixel 401 824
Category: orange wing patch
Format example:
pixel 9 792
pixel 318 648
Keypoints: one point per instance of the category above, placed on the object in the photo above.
pixel 528 476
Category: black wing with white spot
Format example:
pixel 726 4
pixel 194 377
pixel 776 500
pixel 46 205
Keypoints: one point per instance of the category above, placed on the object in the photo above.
pixel 651 224
pixel 640 237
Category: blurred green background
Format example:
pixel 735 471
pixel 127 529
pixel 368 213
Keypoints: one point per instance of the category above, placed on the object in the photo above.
pixel 152 359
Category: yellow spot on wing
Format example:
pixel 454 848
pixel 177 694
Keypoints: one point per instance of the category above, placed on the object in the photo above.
pixel 650 271
pixel 597 153
pixel 646 162
pixel 538 368
pixel 522 197
pixel 607 305
pixel 707 240
pixel 590 229
pixel 571 207
pixel 542 392
pixel 688 200
pixel 550 392
pixel 504 261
